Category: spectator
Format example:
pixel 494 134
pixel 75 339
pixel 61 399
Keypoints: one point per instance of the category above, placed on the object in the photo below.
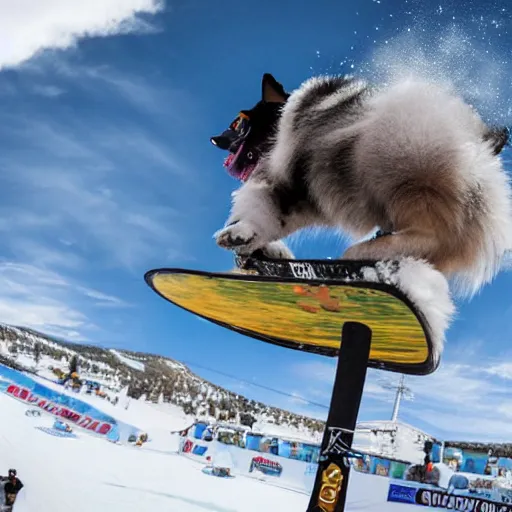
pixel 12 487
pixel 470 466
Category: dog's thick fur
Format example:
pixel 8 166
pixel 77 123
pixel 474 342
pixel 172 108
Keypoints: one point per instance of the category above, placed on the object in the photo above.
pixel 413 160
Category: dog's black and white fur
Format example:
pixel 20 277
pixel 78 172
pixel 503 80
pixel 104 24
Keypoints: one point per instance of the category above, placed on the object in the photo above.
pixel 412 159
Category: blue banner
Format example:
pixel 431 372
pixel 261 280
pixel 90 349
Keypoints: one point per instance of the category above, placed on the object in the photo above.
pixel 402 494
pixel 22 387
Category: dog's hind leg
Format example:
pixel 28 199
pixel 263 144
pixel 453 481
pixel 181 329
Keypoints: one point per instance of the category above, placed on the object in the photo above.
pixel 448 255
pixel 409 242
pixel 431 218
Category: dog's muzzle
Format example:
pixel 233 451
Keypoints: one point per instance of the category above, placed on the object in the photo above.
pixel 233 137
pixel 239 163
pixel 225 140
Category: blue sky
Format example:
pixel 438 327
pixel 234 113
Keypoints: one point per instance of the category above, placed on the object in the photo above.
pixel 106 171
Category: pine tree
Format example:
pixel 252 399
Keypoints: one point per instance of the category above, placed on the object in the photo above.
pixel 73 364
pixel 37 352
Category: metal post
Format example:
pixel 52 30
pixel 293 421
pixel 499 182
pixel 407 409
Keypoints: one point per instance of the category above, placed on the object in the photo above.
pixel 398 398
pixel 330 489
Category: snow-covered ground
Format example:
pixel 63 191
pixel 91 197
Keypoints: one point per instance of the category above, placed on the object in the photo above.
pixel 201 396
pixel 155 416
pixel 91 474
pixel 157 420
pixel 43 367
pixel 286 432
pixel 136 365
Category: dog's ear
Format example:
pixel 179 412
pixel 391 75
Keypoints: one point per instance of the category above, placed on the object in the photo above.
pixel 272 91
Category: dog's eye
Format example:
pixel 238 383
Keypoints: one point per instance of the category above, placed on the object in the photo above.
pixel 250 156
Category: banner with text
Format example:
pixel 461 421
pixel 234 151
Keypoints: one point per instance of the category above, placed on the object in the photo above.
pixel 70 409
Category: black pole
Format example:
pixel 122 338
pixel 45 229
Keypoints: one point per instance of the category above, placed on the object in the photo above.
pixel 330 489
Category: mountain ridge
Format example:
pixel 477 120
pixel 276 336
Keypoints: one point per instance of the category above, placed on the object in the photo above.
pixel 148 376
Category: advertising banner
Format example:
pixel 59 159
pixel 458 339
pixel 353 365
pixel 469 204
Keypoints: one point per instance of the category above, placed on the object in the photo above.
pixel 474 477
pixel 70 409
pixel 434 498
pixel 80 420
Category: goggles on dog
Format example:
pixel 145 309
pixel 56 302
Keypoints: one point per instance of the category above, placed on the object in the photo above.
pixel 241 125
pixel 237 131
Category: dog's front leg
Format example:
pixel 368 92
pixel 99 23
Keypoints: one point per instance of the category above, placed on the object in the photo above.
pixel 255 219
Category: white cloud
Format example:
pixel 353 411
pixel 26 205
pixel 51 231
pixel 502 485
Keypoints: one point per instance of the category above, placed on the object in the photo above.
pixel 503 370
pixel 48 91
pixel 93 190
pixel 319 371
pixel 476 424
pixel 157 97
pixel 34 298
pixel 297 399
pixel 27 249
pixel 29 27
pixel 321 377
pixel 134 90
pixel 87 193
pixel 111 179
pixel 459 401
pixel 102 299
pixel 457 385
pixel 12 219
pixel 375 390
pixel 48 301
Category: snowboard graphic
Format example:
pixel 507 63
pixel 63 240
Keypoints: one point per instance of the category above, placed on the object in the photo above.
pixel 302 305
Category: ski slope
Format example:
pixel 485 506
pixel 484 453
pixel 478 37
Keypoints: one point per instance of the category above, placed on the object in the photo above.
pixel 132 363
pixel 91 474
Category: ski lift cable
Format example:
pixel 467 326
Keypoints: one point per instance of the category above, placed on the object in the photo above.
pixel 262 386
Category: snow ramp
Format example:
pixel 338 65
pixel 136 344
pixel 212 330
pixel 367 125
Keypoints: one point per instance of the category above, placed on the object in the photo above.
pixel 70 409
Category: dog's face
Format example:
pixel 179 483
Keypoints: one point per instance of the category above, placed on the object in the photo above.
pixel 249 135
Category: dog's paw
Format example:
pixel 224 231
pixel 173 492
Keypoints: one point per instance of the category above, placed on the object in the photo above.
pixel 240 237
pixel 277 251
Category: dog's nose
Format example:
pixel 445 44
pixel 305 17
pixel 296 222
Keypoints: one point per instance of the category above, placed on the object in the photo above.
pixel 225 140
pixel 221 142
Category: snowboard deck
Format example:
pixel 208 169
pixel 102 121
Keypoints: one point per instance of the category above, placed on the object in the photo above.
pixel 303 304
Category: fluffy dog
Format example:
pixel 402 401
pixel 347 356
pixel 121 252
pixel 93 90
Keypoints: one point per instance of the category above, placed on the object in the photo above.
pixel 412 160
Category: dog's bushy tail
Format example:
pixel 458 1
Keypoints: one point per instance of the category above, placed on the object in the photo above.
pixel 495 248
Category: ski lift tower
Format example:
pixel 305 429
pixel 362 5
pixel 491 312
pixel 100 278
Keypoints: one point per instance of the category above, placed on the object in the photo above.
pixel 402 391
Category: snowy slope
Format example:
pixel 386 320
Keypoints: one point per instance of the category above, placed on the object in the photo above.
pixel 154 377
pixel 174 391
pixel 132 363
pixel 90 474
